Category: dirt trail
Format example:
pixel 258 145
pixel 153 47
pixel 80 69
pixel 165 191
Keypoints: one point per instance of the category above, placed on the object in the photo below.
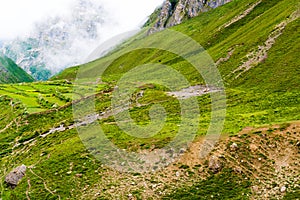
pixel 193 91
pixel 45 185
pixel 257 56
pixel 240 16
pixel 7 126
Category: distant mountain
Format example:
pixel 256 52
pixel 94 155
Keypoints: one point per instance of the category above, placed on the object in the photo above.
pixel 10 72
pixel 59 41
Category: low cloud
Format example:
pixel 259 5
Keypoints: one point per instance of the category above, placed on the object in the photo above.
pixel 62 33
pixel 18 17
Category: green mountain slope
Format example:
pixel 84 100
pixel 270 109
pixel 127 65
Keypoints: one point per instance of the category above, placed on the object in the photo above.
pixel 222 32
pixel 255 45
pixel 10 72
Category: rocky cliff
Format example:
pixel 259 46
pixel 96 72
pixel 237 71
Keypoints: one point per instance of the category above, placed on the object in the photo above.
pixel 173 12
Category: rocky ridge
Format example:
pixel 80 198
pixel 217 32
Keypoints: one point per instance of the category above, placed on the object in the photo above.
pixel 173 12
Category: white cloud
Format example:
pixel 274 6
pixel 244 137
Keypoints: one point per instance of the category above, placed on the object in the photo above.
pixel 65 32
pixel 18 16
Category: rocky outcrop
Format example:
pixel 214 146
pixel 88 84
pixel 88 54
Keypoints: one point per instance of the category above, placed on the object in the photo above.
pixel 13 178
pixel 165 13
pixel 214 164
pixel 173 12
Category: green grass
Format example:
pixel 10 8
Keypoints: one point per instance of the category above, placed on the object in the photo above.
pixel 267 94
pixel 292 195
pixel 40 96
pixel 10 72
pixel 226 185
pixel 282 61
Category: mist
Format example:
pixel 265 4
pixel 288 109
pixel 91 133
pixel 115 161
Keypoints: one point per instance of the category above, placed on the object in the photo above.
pixel 17 18
pixel 45 37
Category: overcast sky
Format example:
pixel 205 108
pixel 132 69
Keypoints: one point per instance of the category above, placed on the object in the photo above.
pixel 18 16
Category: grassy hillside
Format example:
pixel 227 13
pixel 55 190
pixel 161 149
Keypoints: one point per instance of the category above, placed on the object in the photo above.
pixel 255 45
pixel 10 72
pixel 219 34
pixel 275 77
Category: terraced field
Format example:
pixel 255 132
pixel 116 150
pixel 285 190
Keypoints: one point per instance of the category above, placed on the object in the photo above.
pixel 42 96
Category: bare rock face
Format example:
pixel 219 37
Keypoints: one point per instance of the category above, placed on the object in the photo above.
pixel 173 12
pixel 185 8
pixel 178 15
pixel 165 13
pixel 214 164
pixel 13 178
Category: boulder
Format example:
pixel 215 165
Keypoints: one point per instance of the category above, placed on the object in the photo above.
pixel 238 170
pixel 283 189
pixel 214 164
pixel 234 147
pixel 13 178
pixel 255 189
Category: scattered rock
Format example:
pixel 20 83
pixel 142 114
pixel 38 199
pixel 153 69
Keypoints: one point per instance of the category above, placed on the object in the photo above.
pixel 97 194
pixel 182 151
pixel 253 147
pixel 55 106
pixel 255 189
pixel 13 178
pixel 283 189
pixel 78 175
pixel 238 170
pixel 177 174
pixel 214 164
pixel 234 147
pixel 130 197
pixel 170 151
